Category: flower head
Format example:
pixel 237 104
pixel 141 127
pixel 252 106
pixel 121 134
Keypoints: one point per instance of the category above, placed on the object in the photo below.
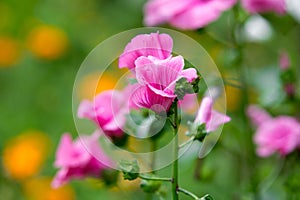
pixel 74 160
pixel 47 42
pixel 157 80
pixel 153 44
pixel 185 14
pixel 280 134
pixel 262 6
pixel 211 118
pixel 24 155
pixel 108 110
pixel 9 52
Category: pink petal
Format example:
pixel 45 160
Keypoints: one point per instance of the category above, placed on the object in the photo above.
pixel 264 151
pixel 200 14
pixel 85 110
pixel 146 98
pixel 189 102
pixel 153 44
pixel 161 11
pixel 205 111
pixel 68 155
pixel 159 75
pixel 60 178
pixel 262 6
pixel 257 115
pixel 190 74
pixel 217 119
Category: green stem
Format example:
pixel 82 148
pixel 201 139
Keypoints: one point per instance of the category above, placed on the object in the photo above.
pixel 145 177
pixel 191 139
pixel 175 153
pixel 184 191
pixel 153 149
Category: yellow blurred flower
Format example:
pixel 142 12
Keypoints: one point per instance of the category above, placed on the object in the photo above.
pixel 126 185
pixel 233 97
pixel 48 42
pixel 9 51
pixel 91 85
pixel 40 189
pixel 232 91
pixel 24 155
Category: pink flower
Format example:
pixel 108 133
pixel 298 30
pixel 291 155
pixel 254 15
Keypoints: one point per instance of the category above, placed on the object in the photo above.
pixel 74 161
pixel 257 115
pixel 211 118
pixel 153 44
pixel 262 6
pixel 280 134
pixel 106 111
pixel 185 14
pixel 157 79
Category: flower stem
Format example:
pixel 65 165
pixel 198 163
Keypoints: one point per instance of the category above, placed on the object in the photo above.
pixel 175 153
pixel 153 149
pixel 188 193
pixel 145 177
pixel 191 139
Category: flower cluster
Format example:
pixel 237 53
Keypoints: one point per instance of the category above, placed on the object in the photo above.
pixel 76 161
pixel 157 74
pixel 280 134
pixel 195 14
pixel 156 71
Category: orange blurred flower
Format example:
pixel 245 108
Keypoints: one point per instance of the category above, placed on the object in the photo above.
pixel 24 155
pixel 48 42
pixel 9 51
pixel 92 85
pixel 40 189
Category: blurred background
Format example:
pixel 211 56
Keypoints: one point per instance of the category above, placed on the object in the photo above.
pixel 42 44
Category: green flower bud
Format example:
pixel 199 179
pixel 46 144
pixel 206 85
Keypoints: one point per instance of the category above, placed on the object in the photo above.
pixel 150 186
pixel 130 169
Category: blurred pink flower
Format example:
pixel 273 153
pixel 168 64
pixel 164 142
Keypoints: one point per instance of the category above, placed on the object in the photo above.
pixel 262 6
pixel 189 102
pixel 211 118
pixel 257 115
pixel 185 14
pixel 153 44
pixel 284 60
pixel 280 134
pixel 108 110
pixel 157 79
pixel 74 160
